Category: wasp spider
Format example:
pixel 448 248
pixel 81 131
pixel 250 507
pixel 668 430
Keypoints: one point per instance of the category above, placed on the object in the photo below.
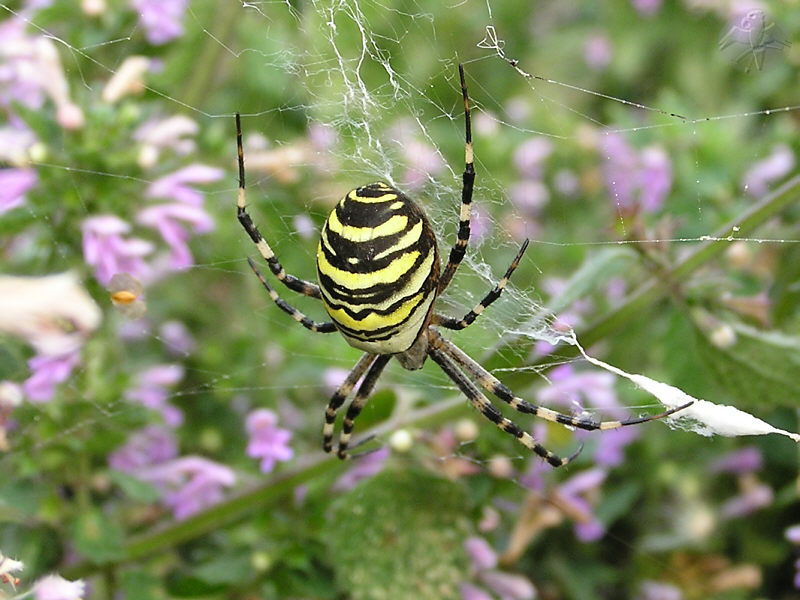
pixel 379 277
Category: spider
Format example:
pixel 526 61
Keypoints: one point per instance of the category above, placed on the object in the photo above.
pixel 379 277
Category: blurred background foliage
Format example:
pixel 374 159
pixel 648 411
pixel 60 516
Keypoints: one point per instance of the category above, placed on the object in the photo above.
pixel 336 94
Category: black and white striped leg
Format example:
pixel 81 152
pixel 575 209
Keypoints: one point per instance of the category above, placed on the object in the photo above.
pixel 468 181
pixel 358 403
pixel 488 410
pixel 324 327
pixel 469 318
pixel 494 386
pixel 293 283
pixel 340 396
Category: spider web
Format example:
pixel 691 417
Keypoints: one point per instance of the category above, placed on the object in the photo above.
pixel 350 64
pixel 379 85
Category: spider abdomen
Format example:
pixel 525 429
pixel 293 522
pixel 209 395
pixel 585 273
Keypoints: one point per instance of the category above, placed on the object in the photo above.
pixel 378 268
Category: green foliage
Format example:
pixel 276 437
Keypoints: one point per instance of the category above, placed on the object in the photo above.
pixel 97 537
pixel 399 535
pixel 377 83
pixel 759 368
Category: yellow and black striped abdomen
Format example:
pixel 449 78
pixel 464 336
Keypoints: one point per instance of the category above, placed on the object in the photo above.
pixel 378 268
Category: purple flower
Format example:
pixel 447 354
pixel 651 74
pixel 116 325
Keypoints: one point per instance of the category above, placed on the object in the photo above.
pixel 267 441
pixel 176 186
pixel 597 52
pixel 656 590
pixel 753 497
pixel 424 163
pixel 304 226
pixel 55 587
pixel 151 390
pixel 530 155
pixel 777 165
pixel 48 371
pixel 569 388
pixel 471 592
pixel 105 249
pixel 189 484
pixel 480 223
pixel 506 585
pixel 534 478
pixel 655 178
pixel 635 179
pixel 481 554
pixel 30 69
pixel 15 141
pixel 647 8
pixel 485 123
pixel 797 574
pixel 529 195
pixel 365 466
pixel 745 460
pixel 793 534
pixel 19 78
pixel 574 389
pixel 322 136
pixel 162 19
pixel 150 446
pixel 573 494
pixel 610 445
pixel 616 289
pixel 332 378
pixel 566 183
pixel 176 338
pixel 173 220
pixel 14 183
pixel 172 133
pixel 169 220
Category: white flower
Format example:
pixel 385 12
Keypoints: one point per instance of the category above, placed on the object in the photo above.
pixel 55 587
pixel 8 566
pixel 53 313
pixel 128 79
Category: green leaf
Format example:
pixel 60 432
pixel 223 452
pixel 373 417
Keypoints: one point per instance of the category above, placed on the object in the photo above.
pixel 596 270
pixel 140 584
pixel 40 545
pixel 399 535
pixel 226 569
pixel 759 368
pixel 134 488
pixel 98 538
pixel 618 501
pixel 785 293
pixel 185 585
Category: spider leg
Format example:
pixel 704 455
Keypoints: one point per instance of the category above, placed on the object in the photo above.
pixel 358 403
pixel 293 283
pixel 494 386
pixel 340 396
pixel 468 179
pixel 469 318
pixel 324 327
pixel 488 410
